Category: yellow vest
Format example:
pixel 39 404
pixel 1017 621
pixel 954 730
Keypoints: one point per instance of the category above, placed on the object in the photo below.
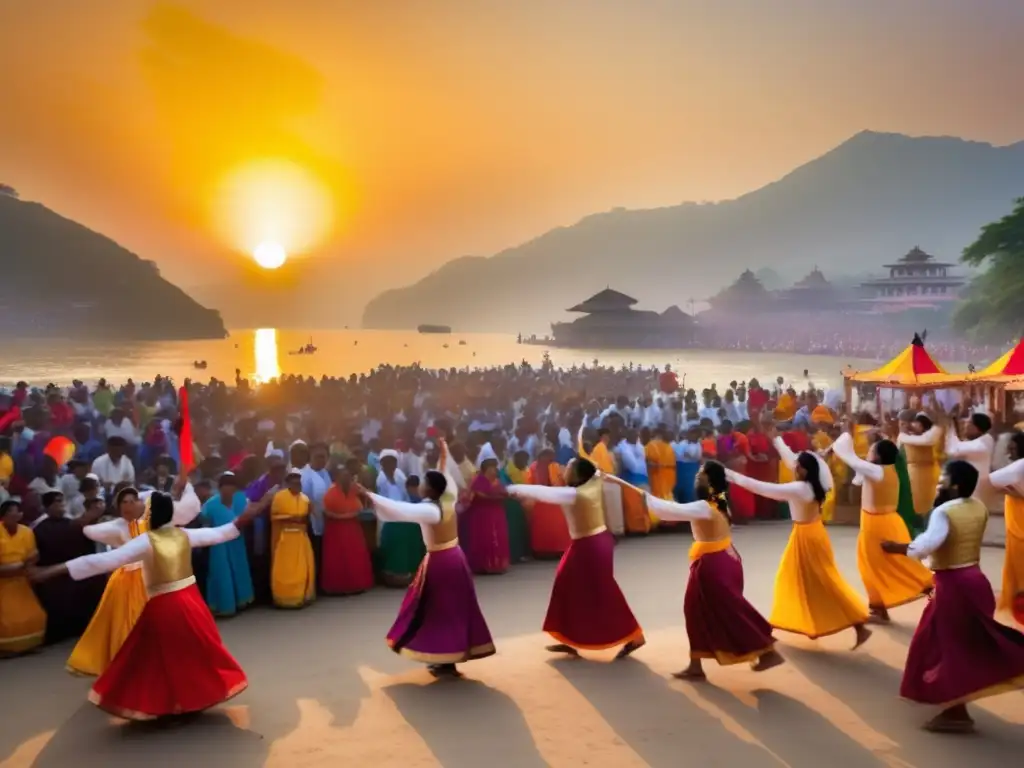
pixel 885 494
pixel 446 532
pixel 587 516
pixel 962 547
pixel 172 557
pixel 920 454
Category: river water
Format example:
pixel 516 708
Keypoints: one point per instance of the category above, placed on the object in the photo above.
pixel 266 353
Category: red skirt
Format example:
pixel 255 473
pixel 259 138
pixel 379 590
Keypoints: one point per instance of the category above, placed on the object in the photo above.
pixel 172 663
pixel 720 623
pixel 587 609
pixel 959 652
pixel 345 562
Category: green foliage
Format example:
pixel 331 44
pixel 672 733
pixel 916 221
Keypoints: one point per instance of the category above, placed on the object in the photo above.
pixel 993 305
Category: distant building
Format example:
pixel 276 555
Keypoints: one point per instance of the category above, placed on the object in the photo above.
pixel 812 292
pixel 610 322
pixel 915 281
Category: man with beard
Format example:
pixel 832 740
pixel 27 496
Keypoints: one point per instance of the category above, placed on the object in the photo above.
pixel 1010 480
pixel 959 652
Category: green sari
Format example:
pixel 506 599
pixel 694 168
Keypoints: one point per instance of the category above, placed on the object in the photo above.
pixel 518 530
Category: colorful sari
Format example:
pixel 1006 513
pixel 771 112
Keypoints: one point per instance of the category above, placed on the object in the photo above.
pixel 515 514
pixel 22 620
pixel 486 543
pixel 549 531
pixel 766 471
pixel 292 570
pixel 228 578
pixel 347 568
pixel 733 449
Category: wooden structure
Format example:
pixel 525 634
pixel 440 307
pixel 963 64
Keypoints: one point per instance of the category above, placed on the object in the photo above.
pixel 916 280
pixel 1001 380
pixel 913 370
pixel 609 321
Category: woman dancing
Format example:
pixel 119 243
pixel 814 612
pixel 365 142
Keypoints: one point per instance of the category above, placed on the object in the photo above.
pixel 811 597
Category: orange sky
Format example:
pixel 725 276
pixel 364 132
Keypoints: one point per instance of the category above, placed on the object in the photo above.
pixel 450 127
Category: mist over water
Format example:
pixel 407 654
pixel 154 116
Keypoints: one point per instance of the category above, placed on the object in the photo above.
pixel 266 353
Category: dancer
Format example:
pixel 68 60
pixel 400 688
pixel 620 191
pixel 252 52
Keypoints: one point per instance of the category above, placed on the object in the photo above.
pixel 959 652
pixel 440 622
pixel 920 438
pixel 125 593
pixel 811 597
pixel 720 623
pixel 22 619
pixel 173 661
pixel 1010 480
pixel 889 581
pixel 587 610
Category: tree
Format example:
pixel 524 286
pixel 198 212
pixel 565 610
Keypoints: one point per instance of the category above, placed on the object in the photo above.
pixel 992 309
pixel 7 190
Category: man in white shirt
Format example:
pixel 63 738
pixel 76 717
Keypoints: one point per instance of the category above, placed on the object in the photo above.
pixel 976 448
pixel 119 425
pixel 114 467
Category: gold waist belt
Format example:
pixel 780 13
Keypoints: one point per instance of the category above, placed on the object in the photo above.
pixel 882 511
pixel 442 547
pixel 591 532
pixel 171 586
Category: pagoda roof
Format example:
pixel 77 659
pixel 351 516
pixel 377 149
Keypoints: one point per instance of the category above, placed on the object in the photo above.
pixel 604 301
pixel 1008 367
pixel 916 255
pixel 911 368
pixel 813 279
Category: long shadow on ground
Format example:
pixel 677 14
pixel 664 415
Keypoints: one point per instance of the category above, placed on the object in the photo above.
pixel 467 724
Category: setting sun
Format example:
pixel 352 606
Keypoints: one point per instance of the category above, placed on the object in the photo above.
pixel 270 255
pixel 274 209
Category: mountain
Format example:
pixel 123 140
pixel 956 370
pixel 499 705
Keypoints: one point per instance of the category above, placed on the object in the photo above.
pixel 861 205
pixel 59 277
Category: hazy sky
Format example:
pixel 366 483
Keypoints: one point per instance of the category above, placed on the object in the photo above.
pixel 421 130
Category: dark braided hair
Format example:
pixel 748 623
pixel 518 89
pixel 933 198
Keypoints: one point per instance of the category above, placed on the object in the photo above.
pixel 717 491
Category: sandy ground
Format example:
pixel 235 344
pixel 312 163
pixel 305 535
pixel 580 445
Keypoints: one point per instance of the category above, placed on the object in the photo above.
pixel 325 691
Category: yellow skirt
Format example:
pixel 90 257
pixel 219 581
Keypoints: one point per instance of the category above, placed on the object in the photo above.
pixel 119 609
pixel 889 580
pixel 811 596
pixel 22 619
pixel 1013 565
pixel 293 572
pixel 828 507
pixel 924 478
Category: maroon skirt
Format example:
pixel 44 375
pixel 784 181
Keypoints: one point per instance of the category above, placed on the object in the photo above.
pixel 720 623
pixel 172 663
pixel 587 609
pixel 440 621
pixel 959 652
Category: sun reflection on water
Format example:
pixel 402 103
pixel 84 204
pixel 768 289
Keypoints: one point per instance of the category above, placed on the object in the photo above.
pixel 265 353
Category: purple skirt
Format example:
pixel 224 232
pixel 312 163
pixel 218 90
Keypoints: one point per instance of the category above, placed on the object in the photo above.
pixel 720 623
pixel 440 621
pixel 960 652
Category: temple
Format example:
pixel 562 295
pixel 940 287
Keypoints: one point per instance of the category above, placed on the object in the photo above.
pixel 609 322
pixel 917 280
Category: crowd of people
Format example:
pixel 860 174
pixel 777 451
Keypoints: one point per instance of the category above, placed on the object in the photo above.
pixel 300 489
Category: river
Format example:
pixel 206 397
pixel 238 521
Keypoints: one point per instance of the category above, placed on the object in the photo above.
pixel 266 353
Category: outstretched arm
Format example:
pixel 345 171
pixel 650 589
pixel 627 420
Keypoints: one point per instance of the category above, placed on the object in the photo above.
pixel 1010 478
pixel 788 492
pixel 843 448
pixel 543 493
pixel 93 565
pixel 208 537
pixel 931 437
pixel 786 455
pixel 670 510
pixel 392 511
pixel 112 533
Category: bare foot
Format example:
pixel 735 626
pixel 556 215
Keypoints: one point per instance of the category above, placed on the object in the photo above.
pixel 694 672
pixel 568 650
pixel 879 616
pixel 629 648
pixel 863 633
pixel 444 670
pixel 767 661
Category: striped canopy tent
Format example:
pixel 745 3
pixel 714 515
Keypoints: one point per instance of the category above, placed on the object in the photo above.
pixel 1007 369
pixel 913 368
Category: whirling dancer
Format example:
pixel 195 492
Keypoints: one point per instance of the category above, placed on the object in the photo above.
pixel 125 594
pixel 1010 480
pixel 173 661
pixel 889 581
pixel 811 597
pixel 440 622
pixel 720 623
pixel 959 652
pixel 587 610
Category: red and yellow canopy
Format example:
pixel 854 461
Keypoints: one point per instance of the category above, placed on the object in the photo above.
pixel 913 368
pixel 1009 367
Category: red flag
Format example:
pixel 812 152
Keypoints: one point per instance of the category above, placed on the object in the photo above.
pixel 60 449
pixel 185 437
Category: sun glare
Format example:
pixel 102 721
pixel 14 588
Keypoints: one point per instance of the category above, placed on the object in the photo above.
pixel 265 353
pixel 273 209
pixel 270 255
